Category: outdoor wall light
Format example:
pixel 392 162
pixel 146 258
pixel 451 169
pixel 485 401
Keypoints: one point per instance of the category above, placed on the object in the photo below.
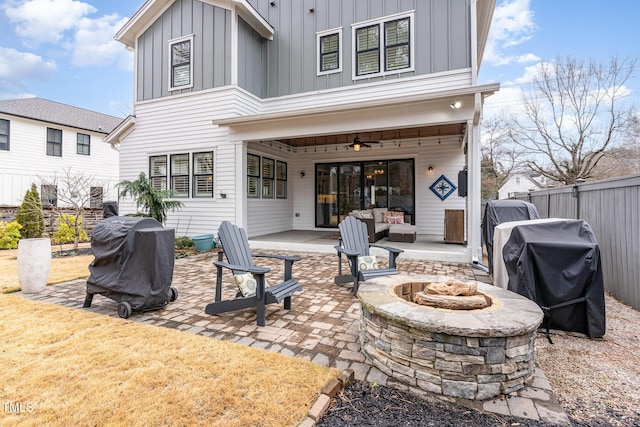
pixel 302 174
pixel 430 170
pixel 456 104
pixel 223 195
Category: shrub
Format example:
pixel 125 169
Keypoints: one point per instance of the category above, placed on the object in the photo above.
pixel 9 234
pixel 184 242
pixel 30 215
pixel 66 232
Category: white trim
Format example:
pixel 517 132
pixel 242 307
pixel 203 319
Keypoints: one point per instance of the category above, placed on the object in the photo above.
pixel 381 47
pixel 319 36
pixel 170 57
pixel 234 46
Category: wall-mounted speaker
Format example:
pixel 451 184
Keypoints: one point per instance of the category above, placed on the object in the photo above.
pixel 462 183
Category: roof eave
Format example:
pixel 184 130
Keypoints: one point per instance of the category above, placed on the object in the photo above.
pixel 123 129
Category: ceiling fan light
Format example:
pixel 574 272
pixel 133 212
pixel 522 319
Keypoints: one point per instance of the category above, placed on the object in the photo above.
pixel 356 147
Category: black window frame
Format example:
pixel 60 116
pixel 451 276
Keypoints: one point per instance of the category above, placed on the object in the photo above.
pixel 49 195
pixel 96 197
pixel 388 46
pixel 82 146
pixel 173 65
pixel 158 177
pixel 281 179
pixel 369 49
pixel 5 146
pixel 197 175
pixel 253 178
pixel 183 193
pixel 323 55
pixel 52 144
pixel 268 178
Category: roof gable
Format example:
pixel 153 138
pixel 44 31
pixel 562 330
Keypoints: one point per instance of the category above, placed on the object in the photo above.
pixel 152 9
pixel 61 114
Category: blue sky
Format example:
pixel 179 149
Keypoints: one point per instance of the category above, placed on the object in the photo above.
pixel 63 50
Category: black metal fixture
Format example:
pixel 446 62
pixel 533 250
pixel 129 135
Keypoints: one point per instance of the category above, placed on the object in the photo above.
pixel 357 144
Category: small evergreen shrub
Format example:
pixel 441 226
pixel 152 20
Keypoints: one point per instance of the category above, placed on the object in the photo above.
pixel 30 215
pixel 66 232
pixel 184 242
pixel 9 234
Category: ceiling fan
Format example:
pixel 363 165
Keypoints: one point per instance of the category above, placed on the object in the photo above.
pixel 357 144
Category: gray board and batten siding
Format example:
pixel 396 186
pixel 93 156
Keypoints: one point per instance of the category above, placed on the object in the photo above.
pixel 211 27
pixel 612 208
pixel 288 64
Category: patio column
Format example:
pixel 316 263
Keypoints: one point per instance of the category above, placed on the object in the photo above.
pixel 474 219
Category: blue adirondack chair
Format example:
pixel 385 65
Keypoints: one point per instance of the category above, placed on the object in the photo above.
pixel 354 243
pixel 235 246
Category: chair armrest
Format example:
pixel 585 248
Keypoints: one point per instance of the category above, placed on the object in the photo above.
pixel 347 252
pixel 250 269
pixel 293 258
pixel 395 250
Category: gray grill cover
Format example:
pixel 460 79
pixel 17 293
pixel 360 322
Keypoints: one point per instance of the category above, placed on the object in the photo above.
pixel 134 260
pixel 558 262
pixel 499 211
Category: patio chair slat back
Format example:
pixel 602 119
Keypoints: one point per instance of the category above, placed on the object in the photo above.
pixel 354 235
pixel 235 244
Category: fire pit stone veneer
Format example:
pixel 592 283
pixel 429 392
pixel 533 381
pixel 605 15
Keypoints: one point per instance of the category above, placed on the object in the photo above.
pixel 467 354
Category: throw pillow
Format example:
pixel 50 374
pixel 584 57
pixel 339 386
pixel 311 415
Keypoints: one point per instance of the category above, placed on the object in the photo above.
pixel 391 217
pixel 377 214
pixel 366 215
pixel 367 262
pixel 248 284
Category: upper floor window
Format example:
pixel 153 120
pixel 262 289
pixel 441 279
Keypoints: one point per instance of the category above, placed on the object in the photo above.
pixel 329 51
pixel 158 172
pixel 54 142
pixel 83 144
pixel 203 174
pixel 4 134
pixel 181 66
pixel 383 46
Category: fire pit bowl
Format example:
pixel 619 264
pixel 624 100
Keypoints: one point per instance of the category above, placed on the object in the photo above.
pixel 469 354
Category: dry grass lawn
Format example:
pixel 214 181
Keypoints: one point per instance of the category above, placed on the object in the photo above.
pixel 62 270
pixel 77 368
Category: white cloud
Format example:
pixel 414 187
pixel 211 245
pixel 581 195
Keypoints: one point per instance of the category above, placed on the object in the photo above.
pixel 512 25
pixel 18 67
pixel 94 44
pixel 46 21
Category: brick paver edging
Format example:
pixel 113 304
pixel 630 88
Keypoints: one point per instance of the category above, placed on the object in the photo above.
pixel 319 409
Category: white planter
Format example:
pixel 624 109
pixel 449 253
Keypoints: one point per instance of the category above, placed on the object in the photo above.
pixel 34 263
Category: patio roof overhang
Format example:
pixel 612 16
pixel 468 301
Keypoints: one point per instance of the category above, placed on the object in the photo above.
pixel 443 122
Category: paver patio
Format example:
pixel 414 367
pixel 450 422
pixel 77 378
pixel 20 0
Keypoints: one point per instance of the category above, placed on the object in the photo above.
pixel 322 326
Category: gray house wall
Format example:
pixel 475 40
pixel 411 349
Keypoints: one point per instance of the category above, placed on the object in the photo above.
pixel 211 27
pixel 288 64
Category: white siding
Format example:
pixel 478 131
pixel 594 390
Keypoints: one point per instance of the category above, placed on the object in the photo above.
pixel 27 162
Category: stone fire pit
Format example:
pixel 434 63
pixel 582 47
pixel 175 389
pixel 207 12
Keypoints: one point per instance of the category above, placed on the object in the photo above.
pixel 470 354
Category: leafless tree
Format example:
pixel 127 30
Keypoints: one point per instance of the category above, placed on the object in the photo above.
pixel 572 114
pixel 499 157
pixel 74 190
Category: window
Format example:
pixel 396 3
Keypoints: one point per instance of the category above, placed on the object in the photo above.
pixel 203 174
pixel 253 176
pixel 180 175
pixel 83 144
pixel 383 46
pixel 54 142
pixel 4 134
pixel 95 197
pixel 49 195
pixel 158 172
pixel 268 175
pixel 181 70
pixel 329 52
pixel 266 178
pixel 281 180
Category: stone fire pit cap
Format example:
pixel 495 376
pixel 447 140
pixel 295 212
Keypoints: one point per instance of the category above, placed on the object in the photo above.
pixel 510 314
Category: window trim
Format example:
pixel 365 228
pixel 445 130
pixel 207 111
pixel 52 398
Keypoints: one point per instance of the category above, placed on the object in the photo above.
pixel 173 42
pixel 8 134
pixel 319 36
pixel 174 194
pixel 87 145
pixel 380 22
pixel 194 175
pixel 53 142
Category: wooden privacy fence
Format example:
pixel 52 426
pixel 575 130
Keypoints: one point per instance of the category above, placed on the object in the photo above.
pixel 612 208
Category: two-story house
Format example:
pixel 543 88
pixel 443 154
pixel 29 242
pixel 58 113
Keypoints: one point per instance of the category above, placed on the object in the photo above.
pixel 288 114
pixel 42 141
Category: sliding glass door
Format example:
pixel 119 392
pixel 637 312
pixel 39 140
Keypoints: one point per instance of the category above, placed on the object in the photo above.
pixel 343 187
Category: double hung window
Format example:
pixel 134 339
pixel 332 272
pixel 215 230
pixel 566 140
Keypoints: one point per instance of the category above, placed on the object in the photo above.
pixel 54 142
pixel 329 51
pixel 4 134
pixel 83 144
pixel 180 175
pixel 181 67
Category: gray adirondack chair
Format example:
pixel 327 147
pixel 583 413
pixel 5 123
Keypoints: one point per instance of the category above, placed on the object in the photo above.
pixel 354 242
pixel 235 246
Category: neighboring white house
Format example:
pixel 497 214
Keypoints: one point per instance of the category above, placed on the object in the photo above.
pixel 259 112
pixel 519 183
pixel 40 140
